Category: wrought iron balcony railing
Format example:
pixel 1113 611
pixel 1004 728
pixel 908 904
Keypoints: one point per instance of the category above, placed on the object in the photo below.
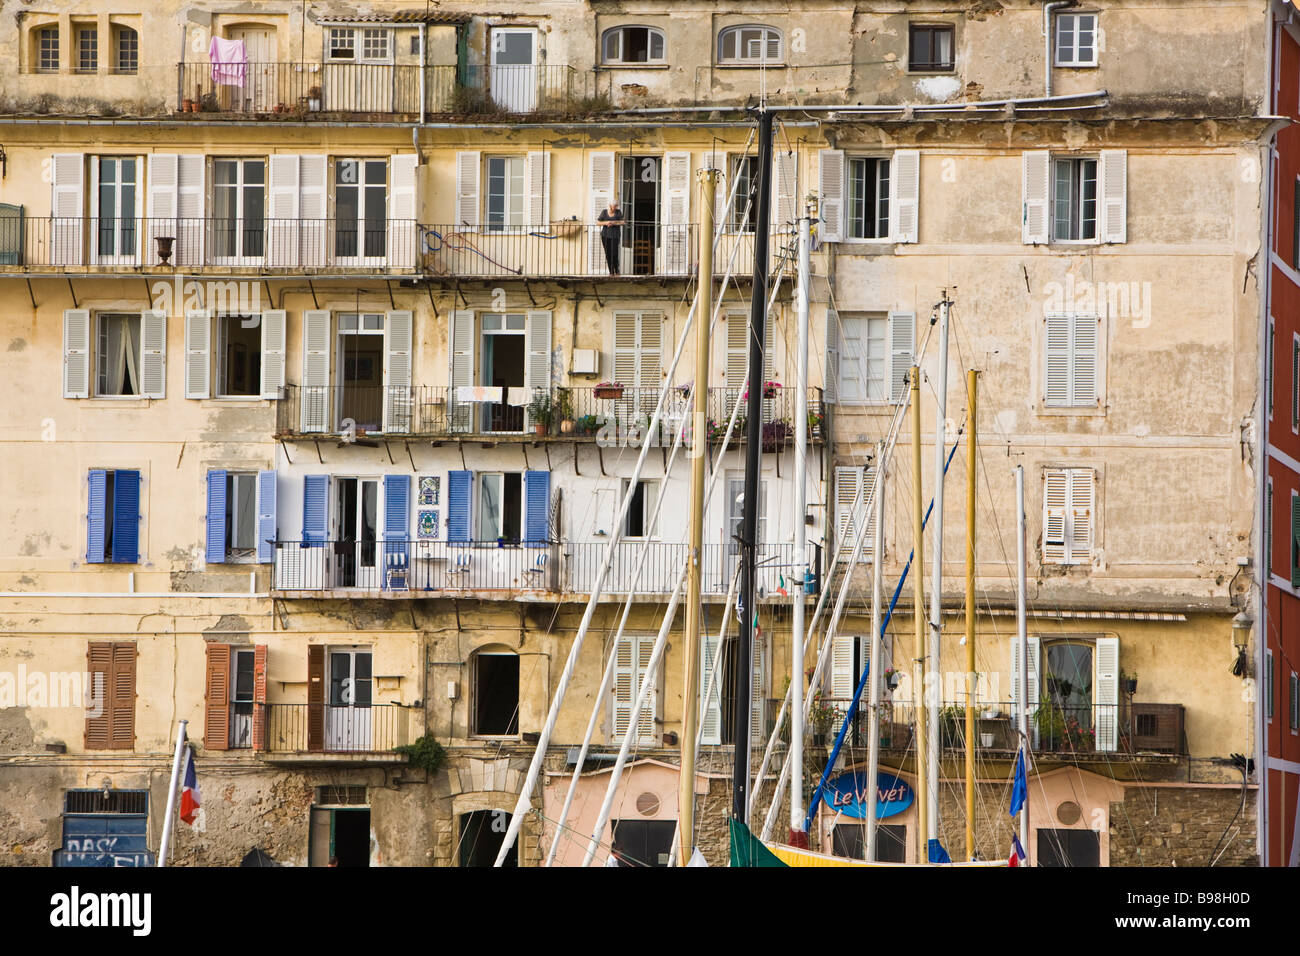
pixel 340 729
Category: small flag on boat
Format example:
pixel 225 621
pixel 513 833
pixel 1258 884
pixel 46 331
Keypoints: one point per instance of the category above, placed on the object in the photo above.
pixel 1017 856
pixel 190 799
pixel 1020 788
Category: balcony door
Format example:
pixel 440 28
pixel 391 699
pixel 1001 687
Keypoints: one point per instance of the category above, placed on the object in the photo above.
pixel 238 211
pixel 735 520
pixel 360 362
pixel 115 206
pixel 241 698
pixel 259 93
pixel 348 717
pixel 504 355
pixel 514 68
pixel 360 211
pixel 640 198
pixel 356 532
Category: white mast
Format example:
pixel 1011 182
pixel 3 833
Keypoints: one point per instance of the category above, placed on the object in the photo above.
pixel 798 585
pixel 169 820
pixel 1022 640
pixel 933 692
pixel 877 654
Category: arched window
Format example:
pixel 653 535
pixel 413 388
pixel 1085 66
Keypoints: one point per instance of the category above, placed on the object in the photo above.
pixel 750 44
pixel 632 44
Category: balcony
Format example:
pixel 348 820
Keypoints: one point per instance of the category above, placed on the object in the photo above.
pixel 664 562
pixel 615 417
pixel 324 733
pixel 225 246
pixel 301 91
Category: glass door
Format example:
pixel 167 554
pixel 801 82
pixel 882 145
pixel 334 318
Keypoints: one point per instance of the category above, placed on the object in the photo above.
pixel 514 69
pixel 357 533
pixel 116 193
pixel 360 211
pixel 241 699
pixel 348 717
pixel 238 211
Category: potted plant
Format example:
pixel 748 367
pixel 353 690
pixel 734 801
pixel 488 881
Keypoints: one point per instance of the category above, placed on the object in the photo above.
pixel 891 678
pixel 1130 682
pixel 822 716
pixel 814 424
pixel 609 390
pixel 564 410
pixel 775 435
pixel 541 411
pixel 587 425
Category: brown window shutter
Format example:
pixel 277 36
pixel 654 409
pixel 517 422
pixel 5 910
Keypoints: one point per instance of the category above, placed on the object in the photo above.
pixel 259 697
pixel 216 703
pixel 316 697
pixel 123 693
pixel 99 664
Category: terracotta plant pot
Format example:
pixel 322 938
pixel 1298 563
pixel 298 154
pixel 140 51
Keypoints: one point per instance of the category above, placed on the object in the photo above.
pixel 609 393
pixel 540 429
pixel 566 427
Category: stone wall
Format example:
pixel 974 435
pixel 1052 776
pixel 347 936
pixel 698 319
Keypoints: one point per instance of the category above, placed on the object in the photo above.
pixel 1157 826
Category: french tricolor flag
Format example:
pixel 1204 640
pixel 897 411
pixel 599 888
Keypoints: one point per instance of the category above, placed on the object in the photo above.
pixel 190 799
pixel 1017 857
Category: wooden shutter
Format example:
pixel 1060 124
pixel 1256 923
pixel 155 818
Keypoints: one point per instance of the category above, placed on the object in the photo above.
pixel 674 215
pixel 902 344
pixel 216 700
pixel 1084 389
pixel 649 360
pixel 126 517
pixel 1036 185
pixel 397 520
pixel 96 514
pixel 601 184
pixel 537 182
pixel 460 350
pixel 831 375
pixel 266 524
pixel 99 667
pixel 537 506
pixel 67 209
pixel 830 189
pixel 122 694
pixel 153 353
pixel 215 539
pixel 1033 644
pixel 854 387
pixel 537 364
pixel 1056 499
pixel 843 676
pixel 1107 693
pixel 468 166
pixel 848 479
pixel 315 401
pixel 458 502
pixel 398 399
pixel 315 509
pixel 1058 360
pixel 283 217
pixel 905 198
pixel 630 668
pixel 758 692
pixel 161 206
pixel 403 170
pixel 314 244
pixel 316 697
pixel 627 347
pixel 785 195
pixel 76 353
pixel 1080 518
pixel 191 170
pixel 710 706
pixel 1112 193
pixel 273 348
pixel 198 347
pixel 259 697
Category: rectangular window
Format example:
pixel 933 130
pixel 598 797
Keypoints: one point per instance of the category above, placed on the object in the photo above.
pixel 113 516
pixel 239 356
pixel 47 50
pixel 360 208
pixel 501 507
pixel 374 45
pixel 342 44
pixel 496 695
pixel 744 212
pixel 1268 531
pixel 1294 699
pixel 118 354
pixel 632 661
pixel 115 201
pixel 930 49
pixel 128 50
pixel 642 509
pixel 1074 200
pixel 864 358
pixel 87 49
pixel 868 198
pixel 1076 39
pixel 1295 225
pixel 1295 384
pixel 1268 684
pixel 505 192
pixel 1069 506
pixel 1070 360
pixel 1294 538
pixel 241 698
pixel 238 208
pixel 241 515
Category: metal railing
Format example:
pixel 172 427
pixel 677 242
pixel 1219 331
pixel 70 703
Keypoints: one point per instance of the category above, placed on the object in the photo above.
pixel 326 728
pixel 302 89
pixel 415 565
pixel 663 565
pixel 58 242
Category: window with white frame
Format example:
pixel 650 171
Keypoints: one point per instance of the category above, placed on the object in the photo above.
pixel 500 506
pixel 359 45
pixel 639 523
pixel 632 44
pixel 1076 39
pixel 864 358
pixel 238 209
pixel 750 45
pixel 1074 199
pixel 239 356
pixel 853 483
pixel 744 210
pixel 506 193
pixel 868 197
pixel 631 663
pixel 1069 515
pixel 930 48
pixel 118 354
pixel 1070 360
pixel 360 208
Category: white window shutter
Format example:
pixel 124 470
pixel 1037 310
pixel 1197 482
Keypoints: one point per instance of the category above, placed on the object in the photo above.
pixel 674 216
pixel 848 479
pixel 758 692
pixel 737 352
pixel 1036 185
pixel 649 363
pixel 630 669
pixel 315 389
pixel 461 371
pixel 273 345
pixel 831 384
pixel 1081 515
pixel 313 210
pixel 403 170
pixel 537 178
pixel 1112 177
pixel 830 190
pixel 67 209
pixel 1058 359
pixel 468 166
pixel 1033 645
pixel 1056 499
pixel 1107 693
pixel 710 705
pixel 76 353
pixel 162 209
pixel 843 680
pixel 190 203
pixel 785 197
pixel 902 344
pixel 1083 361
pixel 198 349
pixel 626 348
pixel 720 195
pixel 282 211
pixel 600 179
pixel 537 347
pixel 905 195
pixel 153 354
pixel 397 372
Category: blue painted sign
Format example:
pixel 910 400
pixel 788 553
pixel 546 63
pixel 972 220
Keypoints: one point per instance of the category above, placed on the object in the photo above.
pixel 847 794
pixel 119 839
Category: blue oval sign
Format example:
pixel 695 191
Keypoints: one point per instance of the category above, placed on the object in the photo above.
pixel 847 794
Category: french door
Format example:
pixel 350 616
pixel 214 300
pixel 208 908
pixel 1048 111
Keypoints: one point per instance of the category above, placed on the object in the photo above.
pixel 238 211
pixel 348 717
pixel 356 549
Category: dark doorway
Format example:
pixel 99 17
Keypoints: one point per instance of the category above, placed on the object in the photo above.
pixel 639 195
pixel 849 840
pixel 1068 848
pixel 503 368
pixel 481 835
pixel 643 842
pixel 340 835
pixel 496 695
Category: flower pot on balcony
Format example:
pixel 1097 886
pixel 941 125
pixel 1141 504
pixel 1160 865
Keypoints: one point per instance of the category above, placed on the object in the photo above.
pixel 986 741
pixel 566 426
pixel 187 106
pixel 1130 685
pixel 540 429
pixel 164 247
pixel 609 391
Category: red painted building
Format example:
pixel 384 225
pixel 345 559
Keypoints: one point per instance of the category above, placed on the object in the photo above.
pixel 1277 666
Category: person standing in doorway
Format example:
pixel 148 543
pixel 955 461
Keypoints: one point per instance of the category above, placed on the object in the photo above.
pixel 611 234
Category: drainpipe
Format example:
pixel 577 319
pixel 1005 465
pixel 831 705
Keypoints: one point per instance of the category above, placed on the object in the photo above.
pixel 423 68
pixel 1047 42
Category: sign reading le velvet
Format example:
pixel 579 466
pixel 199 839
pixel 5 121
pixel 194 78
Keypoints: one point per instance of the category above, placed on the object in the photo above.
pixel 848 795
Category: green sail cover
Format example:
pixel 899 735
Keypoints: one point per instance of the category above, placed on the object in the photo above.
pixel 748 850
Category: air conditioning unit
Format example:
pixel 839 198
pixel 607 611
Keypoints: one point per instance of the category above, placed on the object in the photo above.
pixel 585 362
pixel 1157 728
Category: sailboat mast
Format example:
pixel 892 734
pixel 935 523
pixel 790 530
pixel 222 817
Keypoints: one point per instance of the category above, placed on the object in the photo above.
pixel 934 693
pixel 876 659
pixel 698 454
pixel 800 577
pixel 742 675
pixel 972 383
pixel 918 613
pixel 1022 640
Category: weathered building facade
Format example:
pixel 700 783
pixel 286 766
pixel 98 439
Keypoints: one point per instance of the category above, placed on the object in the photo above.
pixel 327 384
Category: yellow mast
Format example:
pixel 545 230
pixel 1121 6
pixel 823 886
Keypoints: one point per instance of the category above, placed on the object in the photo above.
pixel 918 612
pixel 972 378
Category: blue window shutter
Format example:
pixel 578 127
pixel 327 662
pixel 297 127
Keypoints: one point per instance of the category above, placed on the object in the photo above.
pixel 97 488
pixel 315 501
pixel 215 546
pixel 397 520
pixel 537 506
pixel 265 516
pixel 126 517
pixel 458 495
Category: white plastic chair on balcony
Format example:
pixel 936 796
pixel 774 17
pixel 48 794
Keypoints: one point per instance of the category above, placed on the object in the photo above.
pixel 460 563
pixel 396 571
pixel 538 568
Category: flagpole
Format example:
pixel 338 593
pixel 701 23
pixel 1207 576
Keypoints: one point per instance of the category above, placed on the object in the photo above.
pixel 171 793
pixel 1023 643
